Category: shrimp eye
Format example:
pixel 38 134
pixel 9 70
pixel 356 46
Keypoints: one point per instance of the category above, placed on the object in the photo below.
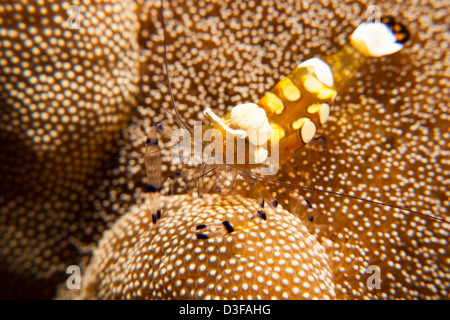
pixel 159 126
pixel 151 142
pixel 399 30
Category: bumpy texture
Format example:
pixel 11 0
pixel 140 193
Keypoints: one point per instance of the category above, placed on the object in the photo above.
pixel 277 258
pixel 386 136
pixel 65 96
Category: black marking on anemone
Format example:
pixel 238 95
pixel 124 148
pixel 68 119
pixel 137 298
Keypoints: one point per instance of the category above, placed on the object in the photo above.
pixel 228 226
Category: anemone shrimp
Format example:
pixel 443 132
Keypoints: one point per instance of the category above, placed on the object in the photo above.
pixel 287 117
pixel 343 167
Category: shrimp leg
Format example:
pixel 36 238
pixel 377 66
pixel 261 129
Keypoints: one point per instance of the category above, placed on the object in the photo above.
pixel 152 159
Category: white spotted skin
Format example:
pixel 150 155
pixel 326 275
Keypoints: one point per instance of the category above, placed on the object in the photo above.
pixel 307 131
pixel 277 258
pixel 252 119
pixel 321 69
pixel 324 113
pixel 375 40
pixel 379 144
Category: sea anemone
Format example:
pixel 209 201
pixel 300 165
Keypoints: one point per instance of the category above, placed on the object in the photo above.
pixel 66 94
pixel 386 135
pixel 277 258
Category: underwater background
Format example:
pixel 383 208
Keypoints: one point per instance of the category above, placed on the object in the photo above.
pixel 80 88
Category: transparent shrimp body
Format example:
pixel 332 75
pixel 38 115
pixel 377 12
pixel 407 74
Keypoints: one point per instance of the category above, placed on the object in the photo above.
pixel 286 118
pixel 300 103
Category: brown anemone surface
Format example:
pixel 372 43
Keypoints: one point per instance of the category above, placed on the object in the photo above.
pixel 75 105
pixel 277 258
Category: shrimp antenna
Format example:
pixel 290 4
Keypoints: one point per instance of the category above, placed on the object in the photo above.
pixel 291 185
pixel 167 71
pixel 295 186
